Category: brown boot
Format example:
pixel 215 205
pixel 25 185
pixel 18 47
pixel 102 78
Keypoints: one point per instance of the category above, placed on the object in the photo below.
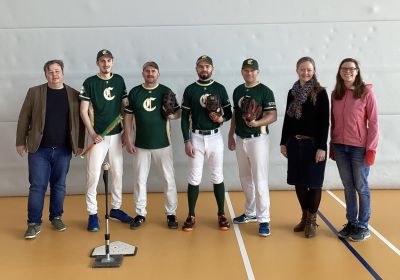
pixel 311 225
pixel 300 226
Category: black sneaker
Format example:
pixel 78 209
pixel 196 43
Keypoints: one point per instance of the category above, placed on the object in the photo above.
pixel 359 234
pixel 223 223
pixel 346 231
pixel 189 223
pixel 172 221
pixel 137 222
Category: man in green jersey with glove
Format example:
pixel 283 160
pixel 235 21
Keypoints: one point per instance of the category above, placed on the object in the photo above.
pixel 203 139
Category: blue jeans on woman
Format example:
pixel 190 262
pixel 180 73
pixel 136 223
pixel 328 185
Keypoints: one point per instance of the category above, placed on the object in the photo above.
pixel 353 171
pixel 47 165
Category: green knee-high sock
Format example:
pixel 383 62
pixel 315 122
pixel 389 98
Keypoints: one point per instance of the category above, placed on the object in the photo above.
pixel 219 192
pixel 192 194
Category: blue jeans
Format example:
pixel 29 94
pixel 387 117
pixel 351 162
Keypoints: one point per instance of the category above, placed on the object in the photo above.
pixel 47 165
pixel 354 174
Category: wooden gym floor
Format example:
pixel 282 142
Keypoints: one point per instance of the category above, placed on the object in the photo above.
pixel 205 253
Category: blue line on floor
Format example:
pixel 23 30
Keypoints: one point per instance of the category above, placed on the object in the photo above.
pixel 347 244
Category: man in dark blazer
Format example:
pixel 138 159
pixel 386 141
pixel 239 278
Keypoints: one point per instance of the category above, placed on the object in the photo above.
pixel 49 129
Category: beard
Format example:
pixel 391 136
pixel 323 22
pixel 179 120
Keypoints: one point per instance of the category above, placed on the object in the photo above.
pixel 204 75
pixel 149 79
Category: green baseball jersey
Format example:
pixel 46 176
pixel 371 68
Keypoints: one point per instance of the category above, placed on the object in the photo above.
pixel 263 95
pixel 106 98
pixel 194 98
pixel 152 129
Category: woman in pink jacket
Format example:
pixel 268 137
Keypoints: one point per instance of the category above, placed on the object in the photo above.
pixel 354 139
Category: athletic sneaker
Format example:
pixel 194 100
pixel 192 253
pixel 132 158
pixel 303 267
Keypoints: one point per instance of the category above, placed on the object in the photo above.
pixel 223 223
pixel 359 234
pixel 264 230
pixel 58 224
pixel 172 221
pixel 137 222
pixel 118 214
pixel 346 231
pixel 32 231
pixel 243 219
pixel 93 223
pixel 189 223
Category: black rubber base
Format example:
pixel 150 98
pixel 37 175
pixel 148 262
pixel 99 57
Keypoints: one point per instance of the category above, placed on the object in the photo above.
pixel 104 262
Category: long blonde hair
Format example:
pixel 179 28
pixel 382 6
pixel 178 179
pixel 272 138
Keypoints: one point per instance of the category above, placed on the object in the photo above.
pixel 317 86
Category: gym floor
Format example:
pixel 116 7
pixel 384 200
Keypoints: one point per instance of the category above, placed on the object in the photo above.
pixel 205 253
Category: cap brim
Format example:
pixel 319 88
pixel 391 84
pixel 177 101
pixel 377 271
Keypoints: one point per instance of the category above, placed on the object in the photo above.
pixel 251 67
pixel 109 55
pixel 204 59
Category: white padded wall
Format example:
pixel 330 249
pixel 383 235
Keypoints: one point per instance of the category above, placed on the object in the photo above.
pixel 174 33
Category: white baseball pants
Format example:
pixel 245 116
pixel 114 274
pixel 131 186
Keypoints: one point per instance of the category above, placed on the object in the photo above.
pixel 163 159
pixel 211 148
pixel 253 156
pixel 113 145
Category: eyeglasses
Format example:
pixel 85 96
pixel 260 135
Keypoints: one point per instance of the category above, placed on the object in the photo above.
pixel 345 69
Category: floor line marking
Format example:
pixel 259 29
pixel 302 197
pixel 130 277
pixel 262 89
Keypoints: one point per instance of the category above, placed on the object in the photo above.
pixel 351 248
pixel 377 233
pixel 242 247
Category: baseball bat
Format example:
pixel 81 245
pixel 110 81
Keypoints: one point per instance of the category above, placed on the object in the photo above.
pixel 110 127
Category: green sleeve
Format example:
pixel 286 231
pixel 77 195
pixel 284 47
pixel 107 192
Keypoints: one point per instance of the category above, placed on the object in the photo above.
pixel 85 91
pixel 185 117
pixel 269 100
pixel 226 105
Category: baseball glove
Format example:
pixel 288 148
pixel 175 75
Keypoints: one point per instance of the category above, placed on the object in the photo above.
pixel 251 110
pixel 169 103
pixel 213 107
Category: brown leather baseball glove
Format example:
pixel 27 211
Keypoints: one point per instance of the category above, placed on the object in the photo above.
pixel 251 110
pixel 169 103
pixel 213 107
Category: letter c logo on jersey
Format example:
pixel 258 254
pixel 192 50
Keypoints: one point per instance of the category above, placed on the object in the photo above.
pixel 240 100
pixel 203 99
pixel 107 94
pixel 147 104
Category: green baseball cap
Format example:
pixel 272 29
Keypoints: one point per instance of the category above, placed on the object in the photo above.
pixel 205 58
pixel 104 52
pixel 250 63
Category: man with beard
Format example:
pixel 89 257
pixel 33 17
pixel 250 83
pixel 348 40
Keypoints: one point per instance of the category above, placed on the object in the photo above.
pixel 104 93
pixel 152 141
pixel 203 140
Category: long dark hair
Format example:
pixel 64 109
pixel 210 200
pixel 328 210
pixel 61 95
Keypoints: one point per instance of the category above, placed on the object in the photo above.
pixel 340 88
pixel 317 86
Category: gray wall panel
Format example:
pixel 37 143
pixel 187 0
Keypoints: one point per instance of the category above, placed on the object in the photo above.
pixel 105 14
pixel 174 34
